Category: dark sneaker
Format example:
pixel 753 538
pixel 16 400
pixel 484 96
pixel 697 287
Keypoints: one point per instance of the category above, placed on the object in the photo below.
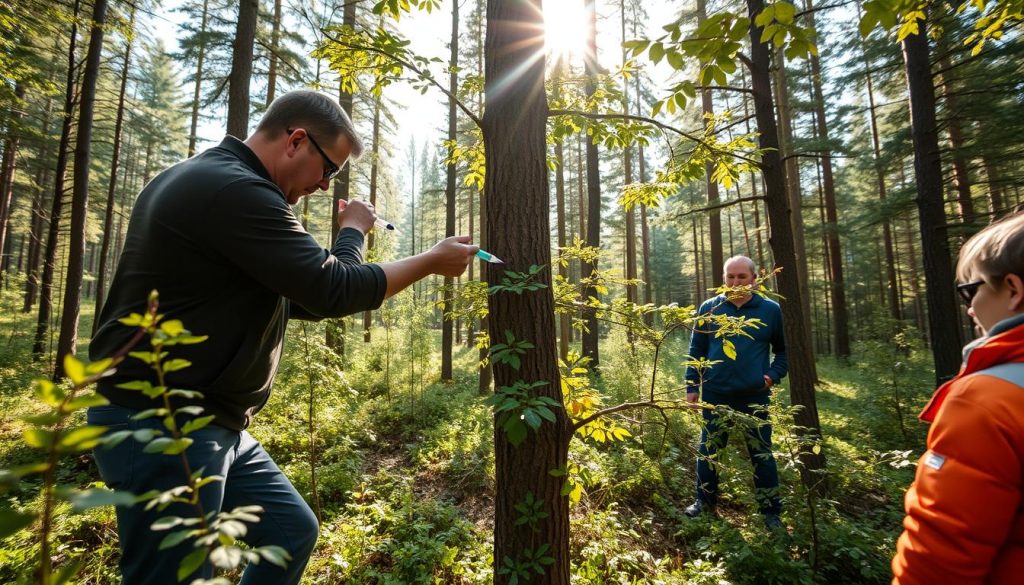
pixel 772 522
pixel 697 508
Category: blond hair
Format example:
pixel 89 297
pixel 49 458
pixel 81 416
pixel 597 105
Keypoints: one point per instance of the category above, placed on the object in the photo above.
pixel 994 252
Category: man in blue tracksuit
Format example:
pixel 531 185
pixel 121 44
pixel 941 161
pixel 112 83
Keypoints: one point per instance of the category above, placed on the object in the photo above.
pixel 743 384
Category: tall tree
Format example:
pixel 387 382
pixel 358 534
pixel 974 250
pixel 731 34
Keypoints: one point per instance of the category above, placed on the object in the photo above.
pixel 840 316
pixel 449 190
pixel 593 239
pixel 67 343
pixel 945 338
pixel 241 69
pixel 714 216
pixel 795 324
pixel 516 190
pixel 115 159
pixel 50 255
pixel 275 43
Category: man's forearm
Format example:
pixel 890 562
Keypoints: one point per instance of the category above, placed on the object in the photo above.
pixel 401 273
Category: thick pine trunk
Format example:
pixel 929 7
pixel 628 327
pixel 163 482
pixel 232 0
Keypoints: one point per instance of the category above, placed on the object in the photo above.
pixel 241 69
pixel 275 41
pixel 938 271
pixel 50 256
pixel 514 126
pixel 796 328
pixel 67 343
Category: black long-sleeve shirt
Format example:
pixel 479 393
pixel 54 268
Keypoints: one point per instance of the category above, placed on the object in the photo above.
pixel 218 241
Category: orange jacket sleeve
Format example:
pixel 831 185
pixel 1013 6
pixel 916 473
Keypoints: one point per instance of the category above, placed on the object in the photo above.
pixel 964 499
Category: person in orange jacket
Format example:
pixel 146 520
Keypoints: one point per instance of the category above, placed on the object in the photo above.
pixel 965 522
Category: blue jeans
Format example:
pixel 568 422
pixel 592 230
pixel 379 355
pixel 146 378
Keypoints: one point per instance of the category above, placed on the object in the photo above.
pixel 250 477
pixel 715 436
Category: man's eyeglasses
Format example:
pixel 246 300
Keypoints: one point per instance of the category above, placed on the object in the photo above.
pixel 968 290
pixel 331 170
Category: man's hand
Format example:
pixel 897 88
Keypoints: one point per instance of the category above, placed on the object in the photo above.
pixel 768 383
pixel 356 213
pixel 692 398
pixel 451 256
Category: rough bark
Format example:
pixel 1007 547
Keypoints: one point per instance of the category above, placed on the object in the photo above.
pixel 945 339
pixel 796 328
pixel 517 194
pixel 50 255
pixel 67 343
pixel 241 69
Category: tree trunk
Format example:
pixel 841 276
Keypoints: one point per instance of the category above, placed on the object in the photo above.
pixel 593 239
pixel 50 256
pixel 961 178
pixel 371 240
pixel 241 69
pixel 196 93
pixel 275 41
pixel 7 164
pixel 335 337
pixel 945 340
pixel 449 195
pixel 627 169
pixel 714 216
pixel 840 316
pixel 564 324
pixel 802 378
pixel 514 126
pixel 108 215
pixel 67 343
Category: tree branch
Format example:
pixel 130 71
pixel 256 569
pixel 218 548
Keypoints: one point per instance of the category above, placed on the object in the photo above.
pixel 423 74
pixel 729 203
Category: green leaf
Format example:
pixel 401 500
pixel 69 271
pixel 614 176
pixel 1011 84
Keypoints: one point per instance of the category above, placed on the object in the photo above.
pixel 75 370
pixel 194 410
pixel 196 424
pixel 97 497
pixel 146 435
pixel 531 419
pixel 84 437
pixel 11 521
pixel 192 562
pixel 767 15
pixel 49 393
pixel 657 52
pixel 274 554
pixel 175 365
pixel 99 366
pixel 867 23
pixel 174 539
pixel 38 438
pixel 515 430
pixel 157 445
pixel 87 401
pixel 114 439
pixel 140 385
pixel 149 413
pixel 784 12
pixel 173 328
pixel 67 572
pixel 729 348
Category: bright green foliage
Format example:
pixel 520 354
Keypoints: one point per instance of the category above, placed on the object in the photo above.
pixel 520 282
pixel 526 564
pixel 472 156
pixel 515 409
pixel 511 351
pixel 992 20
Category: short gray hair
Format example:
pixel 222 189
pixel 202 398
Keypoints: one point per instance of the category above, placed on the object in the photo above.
pixel 310 109
pixel 741 258
pixel 995 251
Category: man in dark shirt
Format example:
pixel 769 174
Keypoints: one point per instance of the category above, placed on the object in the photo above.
pixel 743 383
pixel 216 236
